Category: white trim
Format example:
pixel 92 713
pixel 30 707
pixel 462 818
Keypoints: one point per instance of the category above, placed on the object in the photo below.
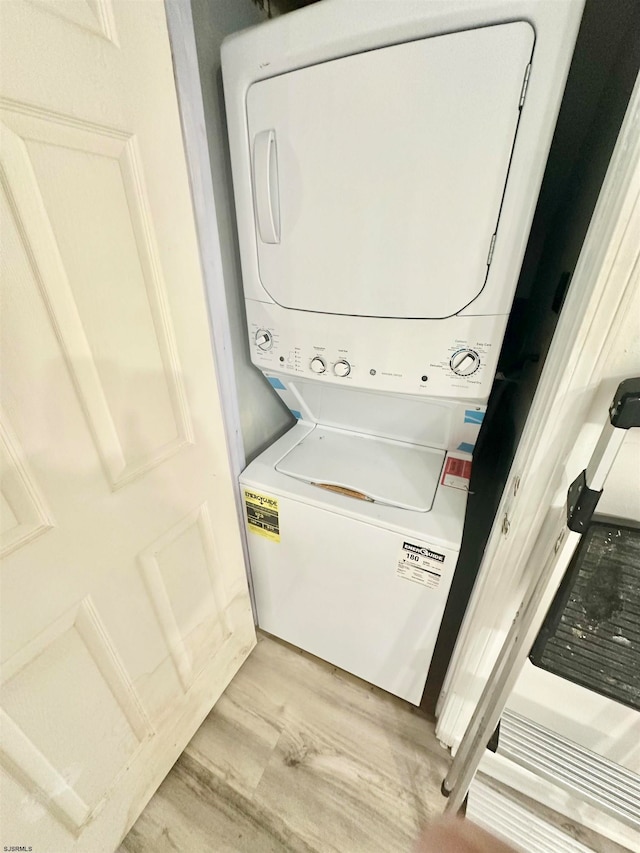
pixel 194 136
pixel 603 284
pixel 187 77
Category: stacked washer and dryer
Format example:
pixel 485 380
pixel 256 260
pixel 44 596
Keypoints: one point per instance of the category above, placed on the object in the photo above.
pixel 386 159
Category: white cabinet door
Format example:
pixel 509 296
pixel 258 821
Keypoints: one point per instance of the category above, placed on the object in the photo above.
pixel 378 178
pixel 125 609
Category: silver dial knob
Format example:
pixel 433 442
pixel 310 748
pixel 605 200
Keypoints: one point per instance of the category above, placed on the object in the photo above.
pixel 464 362
pixel 342 368
pixel 264 339
pixel 317 364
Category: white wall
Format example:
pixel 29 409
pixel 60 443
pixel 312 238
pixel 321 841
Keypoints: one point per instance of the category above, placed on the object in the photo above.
pixel 621 493
pixel 262 415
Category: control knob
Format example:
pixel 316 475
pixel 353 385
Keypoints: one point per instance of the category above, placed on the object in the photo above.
pixel 317 364
pixel 464 362
pixel 264 339
pixel 342 368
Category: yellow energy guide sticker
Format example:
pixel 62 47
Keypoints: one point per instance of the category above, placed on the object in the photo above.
pixel 262 514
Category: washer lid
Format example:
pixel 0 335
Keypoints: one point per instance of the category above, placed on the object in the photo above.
pixel 378 177
pixel 375 469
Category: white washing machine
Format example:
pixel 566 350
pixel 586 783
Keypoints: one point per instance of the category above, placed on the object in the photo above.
pixel 386 158
pixel 354 536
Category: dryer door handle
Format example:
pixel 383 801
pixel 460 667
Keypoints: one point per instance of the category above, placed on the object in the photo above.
pixel 265 186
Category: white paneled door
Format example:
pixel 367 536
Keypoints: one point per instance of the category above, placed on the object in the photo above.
pixel 125 609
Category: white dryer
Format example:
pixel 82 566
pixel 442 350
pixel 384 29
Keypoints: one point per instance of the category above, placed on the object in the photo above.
pixel 386 162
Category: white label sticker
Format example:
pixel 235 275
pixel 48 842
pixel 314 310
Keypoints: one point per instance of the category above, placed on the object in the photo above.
pixel 420 564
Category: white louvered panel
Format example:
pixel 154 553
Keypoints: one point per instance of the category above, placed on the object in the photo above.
pixel 511 821
pixel 598 780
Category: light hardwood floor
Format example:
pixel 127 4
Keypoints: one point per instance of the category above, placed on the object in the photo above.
pixel 298 756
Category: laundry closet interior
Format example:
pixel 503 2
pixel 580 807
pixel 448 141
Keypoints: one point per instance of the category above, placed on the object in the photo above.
pixel 409 215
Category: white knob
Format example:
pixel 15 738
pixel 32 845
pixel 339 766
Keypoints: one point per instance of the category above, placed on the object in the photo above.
pixel 342 368
pixel 264 339
pixel 465 362
pixel 317 365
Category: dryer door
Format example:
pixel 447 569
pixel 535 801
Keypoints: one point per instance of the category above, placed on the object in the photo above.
pixel 378 177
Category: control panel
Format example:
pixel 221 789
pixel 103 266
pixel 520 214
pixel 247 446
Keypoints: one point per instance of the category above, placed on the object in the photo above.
pixel 454 357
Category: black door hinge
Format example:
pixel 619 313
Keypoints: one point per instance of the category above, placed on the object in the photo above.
pixel 581 503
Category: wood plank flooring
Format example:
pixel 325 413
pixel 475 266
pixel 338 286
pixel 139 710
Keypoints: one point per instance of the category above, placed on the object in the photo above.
pixel 298 756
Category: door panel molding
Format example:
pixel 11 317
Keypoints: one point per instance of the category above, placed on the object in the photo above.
pixel 23 759
pixel 21 493
pixel 98 18
pixel 188 661
pixel 32 216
